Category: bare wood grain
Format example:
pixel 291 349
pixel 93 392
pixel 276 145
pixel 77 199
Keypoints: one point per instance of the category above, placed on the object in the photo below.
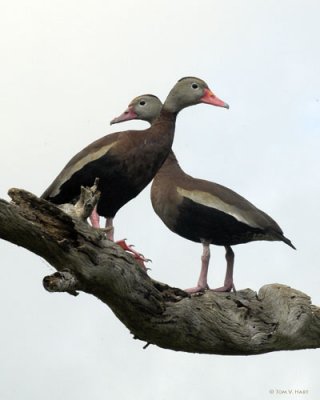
pixel 243 323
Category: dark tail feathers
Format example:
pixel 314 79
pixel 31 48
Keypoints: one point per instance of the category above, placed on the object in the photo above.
pixel 281 237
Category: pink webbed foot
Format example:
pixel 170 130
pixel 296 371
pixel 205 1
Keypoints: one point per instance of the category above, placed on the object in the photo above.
pixel 138 256
pixel 197 289
pixel 227 287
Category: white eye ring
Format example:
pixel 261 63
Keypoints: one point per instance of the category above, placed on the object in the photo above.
pixel 142 103
pixel 194 86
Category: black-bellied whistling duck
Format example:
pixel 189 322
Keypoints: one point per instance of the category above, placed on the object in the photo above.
pixel 125 162
pixel 200 210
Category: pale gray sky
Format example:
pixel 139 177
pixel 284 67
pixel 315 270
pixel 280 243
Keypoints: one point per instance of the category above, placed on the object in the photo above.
pixel 69 67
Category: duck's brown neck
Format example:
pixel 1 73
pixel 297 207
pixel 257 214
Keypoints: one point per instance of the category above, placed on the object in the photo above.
pixel 163 127
pixel 171 166
pixel 166 115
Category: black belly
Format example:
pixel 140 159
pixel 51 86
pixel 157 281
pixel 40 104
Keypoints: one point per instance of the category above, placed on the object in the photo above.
pixel 119 182
pixel 197 222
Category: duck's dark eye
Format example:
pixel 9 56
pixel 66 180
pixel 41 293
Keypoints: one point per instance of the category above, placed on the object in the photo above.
pixel 142 103
pixel 194 86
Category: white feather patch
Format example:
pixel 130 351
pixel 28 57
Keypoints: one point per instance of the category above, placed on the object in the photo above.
pixel 209 200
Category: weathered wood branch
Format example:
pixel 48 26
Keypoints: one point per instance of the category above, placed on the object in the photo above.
pixel 243 323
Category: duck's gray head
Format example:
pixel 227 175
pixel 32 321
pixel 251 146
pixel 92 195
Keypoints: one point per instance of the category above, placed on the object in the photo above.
pixel 146 108
pixel 190 91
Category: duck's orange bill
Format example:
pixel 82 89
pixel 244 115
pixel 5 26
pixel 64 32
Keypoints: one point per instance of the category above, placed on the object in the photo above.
pixel 210 98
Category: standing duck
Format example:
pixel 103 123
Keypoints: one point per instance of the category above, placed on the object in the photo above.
pixel 125 162
pixel 199 210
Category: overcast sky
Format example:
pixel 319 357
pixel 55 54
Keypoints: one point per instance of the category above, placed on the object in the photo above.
pixel 67 68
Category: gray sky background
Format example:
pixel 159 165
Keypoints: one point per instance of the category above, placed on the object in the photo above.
pixel 69 67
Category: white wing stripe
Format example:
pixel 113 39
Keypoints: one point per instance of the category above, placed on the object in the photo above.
pixel 70 170
pixel 212 201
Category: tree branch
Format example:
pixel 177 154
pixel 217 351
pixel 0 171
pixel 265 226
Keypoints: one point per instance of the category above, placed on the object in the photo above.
pixel 243 323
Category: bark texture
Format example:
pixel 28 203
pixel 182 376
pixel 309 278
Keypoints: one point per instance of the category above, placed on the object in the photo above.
pixel 243 323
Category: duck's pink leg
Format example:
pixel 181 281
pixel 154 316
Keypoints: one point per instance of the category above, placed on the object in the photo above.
pixel 122 243
pixel 203 278
pixel 95 218
pixel 228 281
pixel 110 229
